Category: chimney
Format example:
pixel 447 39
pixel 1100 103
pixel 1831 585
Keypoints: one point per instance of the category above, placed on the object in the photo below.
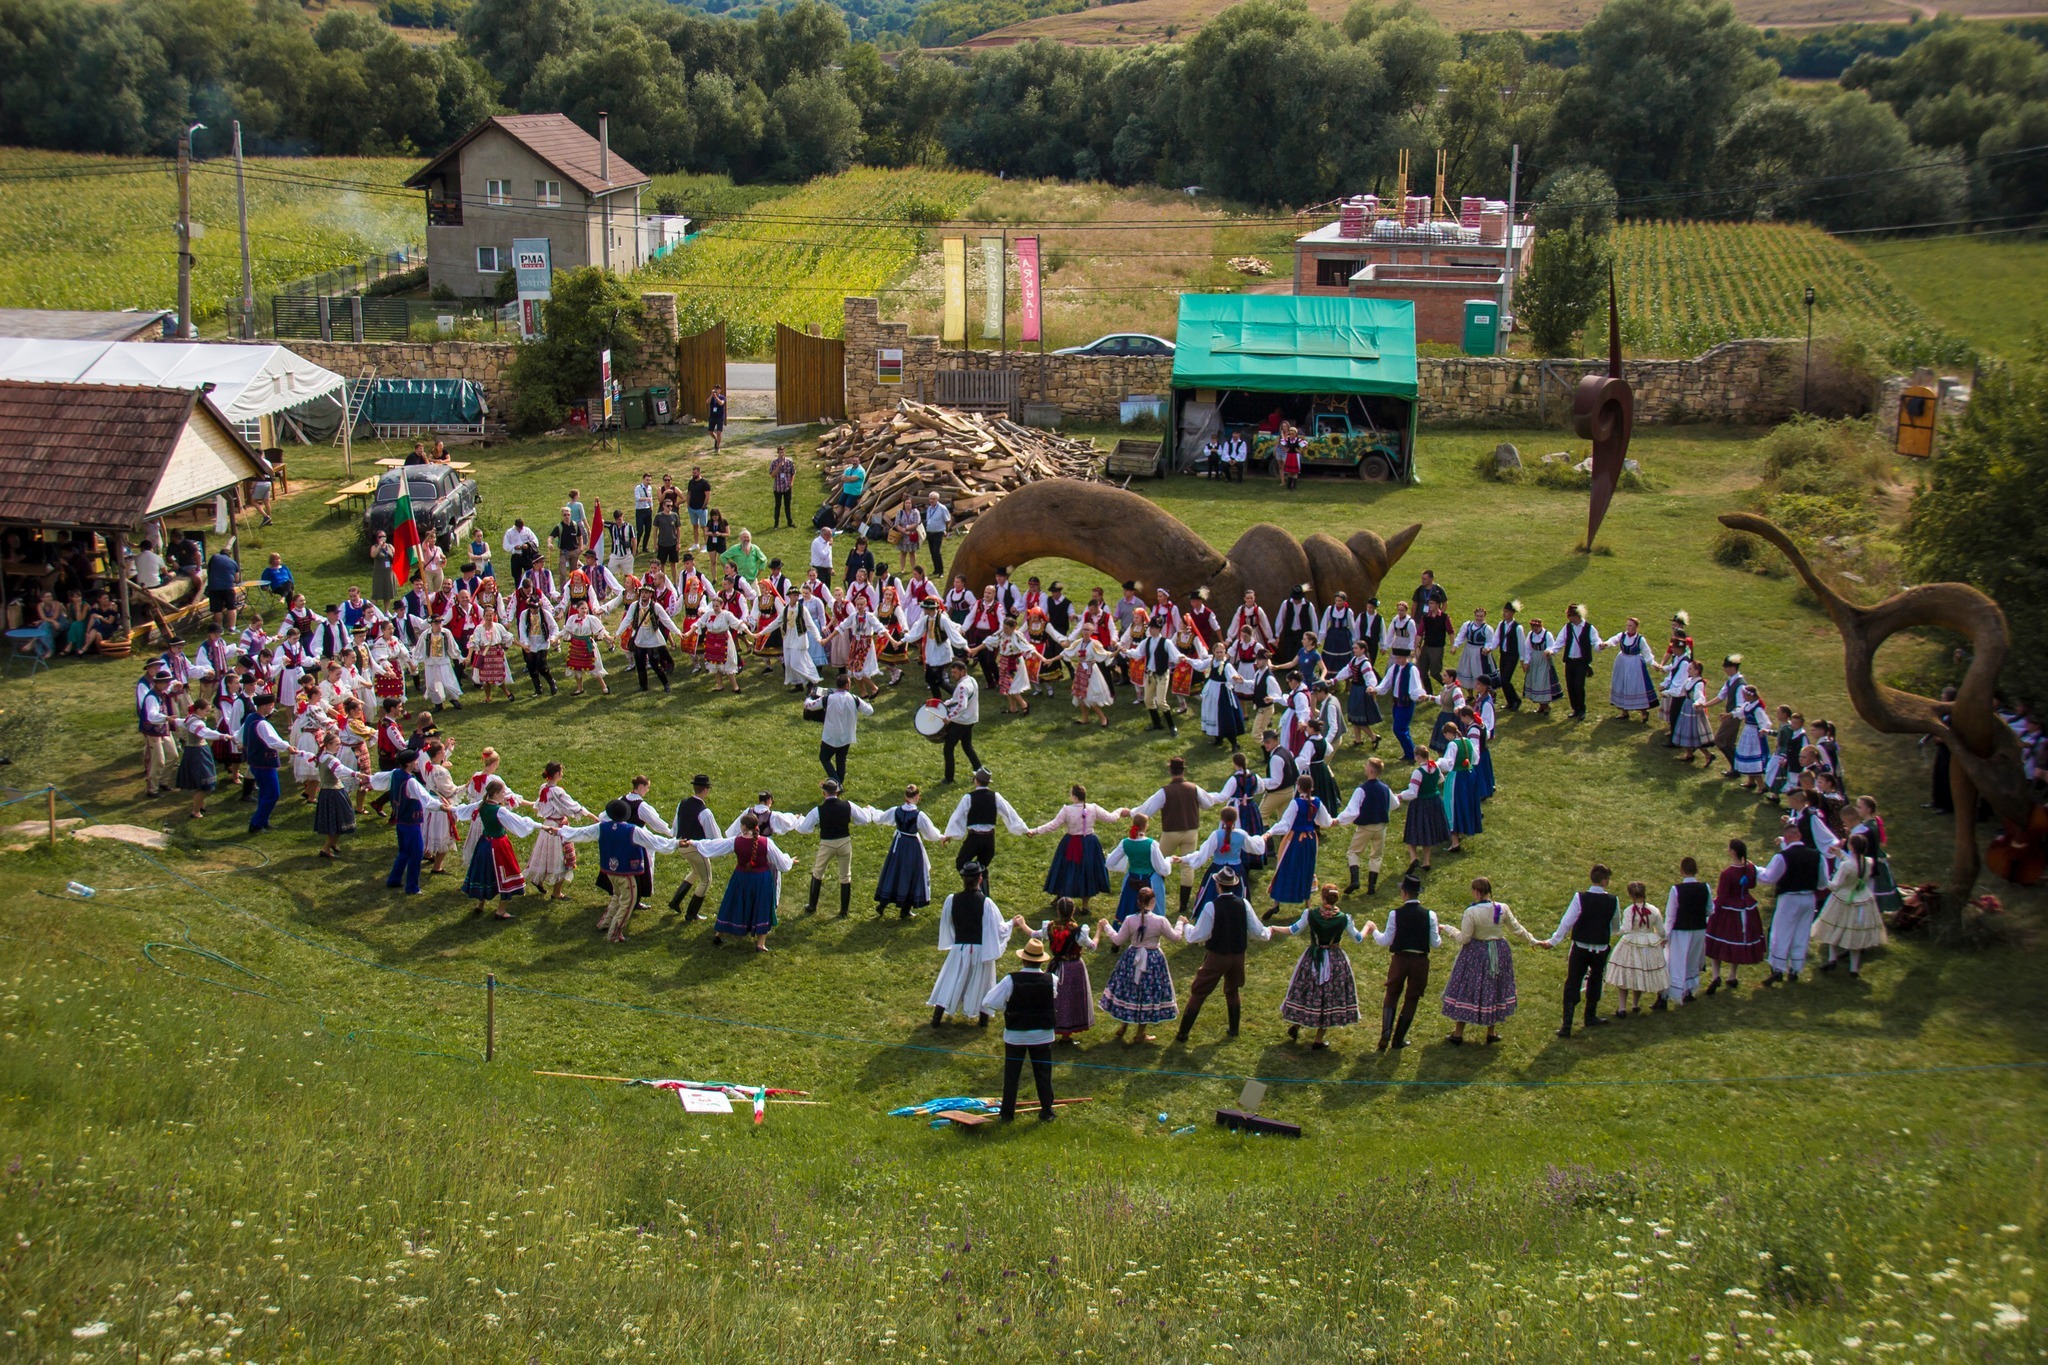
pixel 604 146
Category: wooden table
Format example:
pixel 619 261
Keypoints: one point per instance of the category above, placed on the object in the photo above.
pixel 459 466
pixel 361 490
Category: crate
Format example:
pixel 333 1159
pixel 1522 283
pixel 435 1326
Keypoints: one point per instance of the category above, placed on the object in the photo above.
pixel 1133 458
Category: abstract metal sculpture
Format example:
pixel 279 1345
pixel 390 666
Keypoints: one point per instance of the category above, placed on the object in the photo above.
pixel 1133 540
pixel 1984 754
pixel 1604 412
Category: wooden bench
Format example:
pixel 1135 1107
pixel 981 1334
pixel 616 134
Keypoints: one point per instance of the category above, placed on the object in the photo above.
pixel 977 390
pixel 339 499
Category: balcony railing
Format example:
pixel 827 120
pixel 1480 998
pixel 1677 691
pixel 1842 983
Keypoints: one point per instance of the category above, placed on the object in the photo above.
pixel 444 213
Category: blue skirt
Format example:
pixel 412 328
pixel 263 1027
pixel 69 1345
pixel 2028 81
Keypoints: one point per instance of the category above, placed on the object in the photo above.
pixel 1426 826
pixel 1362 705
pixel 1630 688
pixel 1127 901
pixel 1485 770
pixel 749 904
pixel 1254 824
pixel 1229 715
pixel 196 772
pixel 1294 881
pixel 1131 998
pixel 906 875
pixel 1078 870
pixel 1465 799
pixel 1445 721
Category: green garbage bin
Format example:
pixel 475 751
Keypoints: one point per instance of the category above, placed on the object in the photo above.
pixel 1482 326
pixel 633 408
pixel 661 405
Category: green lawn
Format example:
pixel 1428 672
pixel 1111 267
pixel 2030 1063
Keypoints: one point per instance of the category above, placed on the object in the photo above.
pixel 1992 290
pixel 243 1075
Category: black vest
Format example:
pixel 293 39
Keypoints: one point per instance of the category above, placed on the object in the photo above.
pixel 966 913
pixel 1411 928
pixel 1227 929
pixel 1594 927
pixel 1376 803
pixel 835 818
pixel 981 806
pixel 1290 771
pixel 1802 869
pixel 690 819
pixel 1031 1000
pixel 1693 898
pixel 637 815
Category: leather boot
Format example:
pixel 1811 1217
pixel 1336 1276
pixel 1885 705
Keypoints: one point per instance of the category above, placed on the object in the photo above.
pixel 1233 1007
pixel 1372 883
pixel 675 902
pixel 1187 1023
pixel 1186 893
pixel 845 899
pixel 696 911
pixel 1401 1029
pixel 1354 880
pixel 1155 719
pixel 1172 725
pixel 906 914
pixel 938 1015
pixel 817 889
pixel 1386 1027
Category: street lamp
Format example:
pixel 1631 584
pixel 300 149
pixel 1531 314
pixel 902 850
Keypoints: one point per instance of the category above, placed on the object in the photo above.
pixel 1806 381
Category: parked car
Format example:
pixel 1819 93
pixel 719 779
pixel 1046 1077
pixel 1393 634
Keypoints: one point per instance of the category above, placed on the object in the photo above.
pixel 1122 343
pixel 443 502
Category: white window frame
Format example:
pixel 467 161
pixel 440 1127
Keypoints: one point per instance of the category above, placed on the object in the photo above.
pixel 497 265
pixel 547 194
pixel 498 191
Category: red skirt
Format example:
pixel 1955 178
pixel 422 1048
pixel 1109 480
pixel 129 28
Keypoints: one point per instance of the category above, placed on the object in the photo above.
pixel 1182 681
pixel 1006 671
pixel 490 666
pixel 1735 935
pixel 390 684
pixel 582 654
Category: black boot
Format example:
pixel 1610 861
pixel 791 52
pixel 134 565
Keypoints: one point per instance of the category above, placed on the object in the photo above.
pixel 1354 880
pixel 817 888
pixel 1386 1027
pixel 1172 725
pixel 1186 893
pixel 981 1021
pixel 938 1015
pixel 1401 1030
pixel 1155 719
pixel 1187 1023
pixel 845 898
pixel 906 914
pixel 1232 1006
pixel 696 911
pixel 1372 883
pixel 675 902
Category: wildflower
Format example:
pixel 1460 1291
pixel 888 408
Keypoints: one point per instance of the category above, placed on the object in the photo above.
pixel 2006 1317
pixel 99 1329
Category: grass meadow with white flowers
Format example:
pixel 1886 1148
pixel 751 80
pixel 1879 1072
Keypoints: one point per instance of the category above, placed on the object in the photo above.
pixel 244 1111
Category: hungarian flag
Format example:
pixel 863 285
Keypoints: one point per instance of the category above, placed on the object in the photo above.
pixel 405 539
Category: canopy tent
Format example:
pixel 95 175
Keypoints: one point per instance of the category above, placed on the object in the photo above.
pixel 1342 369
pixel 248 382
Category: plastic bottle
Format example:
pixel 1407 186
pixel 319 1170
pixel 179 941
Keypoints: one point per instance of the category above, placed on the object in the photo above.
pixel 80 890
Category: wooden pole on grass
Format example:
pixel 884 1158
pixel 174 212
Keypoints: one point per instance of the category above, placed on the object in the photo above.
pixel 51 797
pixel 490 1016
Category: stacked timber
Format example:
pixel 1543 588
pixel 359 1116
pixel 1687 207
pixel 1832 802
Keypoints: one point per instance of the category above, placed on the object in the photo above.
pixel 969 459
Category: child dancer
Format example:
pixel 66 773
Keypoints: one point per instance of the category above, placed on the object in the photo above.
pixel 552 865
pixel 1883 885
pixel 1636 967
pixel 1140 988
pixel 1735 930
pixel 1482 985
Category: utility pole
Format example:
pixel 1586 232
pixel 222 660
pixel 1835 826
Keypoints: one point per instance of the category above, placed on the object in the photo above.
pixel 1806 380
pixel 186 331
pixel 1507 254
pixel 248 328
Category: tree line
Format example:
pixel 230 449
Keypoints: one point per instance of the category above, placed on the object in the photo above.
pixel 1266 105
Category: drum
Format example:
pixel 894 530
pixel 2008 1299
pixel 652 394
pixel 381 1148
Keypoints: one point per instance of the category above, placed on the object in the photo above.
pixel 930 720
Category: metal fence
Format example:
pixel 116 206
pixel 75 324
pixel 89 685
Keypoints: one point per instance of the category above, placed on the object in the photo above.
pixel 349 279
pixel 353 317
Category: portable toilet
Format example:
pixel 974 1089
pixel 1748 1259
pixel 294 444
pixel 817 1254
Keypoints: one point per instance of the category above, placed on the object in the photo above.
pixel 1916 421
pixel 1482 326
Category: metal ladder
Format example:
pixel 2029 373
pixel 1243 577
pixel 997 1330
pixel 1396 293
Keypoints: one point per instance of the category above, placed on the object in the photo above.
pixel 358 395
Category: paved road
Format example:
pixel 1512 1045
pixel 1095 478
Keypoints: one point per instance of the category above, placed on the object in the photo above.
pixel 749 375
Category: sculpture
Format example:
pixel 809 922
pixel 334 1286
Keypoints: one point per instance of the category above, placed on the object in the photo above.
pixel 1984 754
pixel 1133 540
pixel 1604 412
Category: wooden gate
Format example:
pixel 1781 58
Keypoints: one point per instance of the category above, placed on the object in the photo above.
pixel 810 378
pixel 700 367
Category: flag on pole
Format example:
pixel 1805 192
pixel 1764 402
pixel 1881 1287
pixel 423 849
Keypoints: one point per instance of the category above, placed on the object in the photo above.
pixel 405 537
pixel 992 288
pixel 597 528
pixel 953 322
pixel 1028 301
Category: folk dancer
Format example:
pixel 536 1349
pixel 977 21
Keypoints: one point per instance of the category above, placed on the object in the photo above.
pixel 1630 690
pixel 1850 923
pixel 1687 909
pixel 1294 838
pixel 694 822
pixel 1796 871
pixel 748 906
pixel 938 636
pixel 1735 931
pixel 1222 717
pixel 640 811
pixel 1589 922
pixel 154 719
pixel 435 654
pixel 197 772
pixel 963 713
pixel 973 935
pixel 552 865
pixel 1477 643
pixel 1079 870
pixel 494 866
pixel 1537 653
pixel 262 746
pixel 1178 807
pixel 1368 812
pixel 412 802
pixel 1637 965
pixel 1277 782
pixel 833 820
pixel 334 813
pixel 1481 989
pixel 622 854
pixel 587 635
pixel 1014 655
pixel 1410 936
pixel 1140 987
pixel 1137 856
pixel 1577 646
pixel 1029 1000
pixel 537 635
pixel 906 880
pixel 1090 689
pixel 487 656
pixel 1509 642
pixel 1404 687
pixel 1752 749
pixel 973 823
pixel 1727 733
pixel 1322 994
pixel 1361 706
pixel 1227 924
pixel 719 631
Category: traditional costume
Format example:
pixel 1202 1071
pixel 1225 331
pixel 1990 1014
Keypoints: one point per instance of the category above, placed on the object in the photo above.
pixel 1481 989
pixel 1088 655
pixel 1637 962
pixel 1427 826
pixel 196 770
pixel 1849 921
pixel 1241 790
pixel 1140 987
pixel 1735 929
pixel 1227 924
pixel 1884 887
pixel 435 654
pixel 1078 868
pixel 334 812
pixel 493 868
pixel 1142 864
pixel 1297 835
pixel 487 655
pixel 751 893
pixel 1539 682
pixel 1690 730
pixel 1066 942
pixel 622 853
pixel 553 861
pixel 906 880
pixel 1322 993
pixel 1630 689
pixel 973 935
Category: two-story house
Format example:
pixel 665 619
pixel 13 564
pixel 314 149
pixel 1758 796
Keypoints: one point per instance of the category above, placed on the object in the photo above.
pixel 528 175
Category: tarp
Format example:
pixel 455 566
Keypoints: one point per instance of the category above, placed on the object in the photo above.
pixel 248 381
pixel 424 402
pixel 1281 343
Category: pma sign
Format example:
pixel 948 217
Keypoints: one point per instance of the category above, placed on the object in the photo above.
pixel 531 267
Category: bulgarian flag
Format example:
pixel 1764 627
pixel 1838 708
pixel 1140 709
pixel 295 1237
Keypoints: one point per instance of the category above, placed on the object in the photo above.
pixel 405 539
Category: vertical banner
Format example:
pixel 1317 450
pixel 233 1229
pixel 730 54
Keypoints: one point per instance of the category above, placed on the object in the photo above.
pixel 953 324
pixel 604 379
pixel 533 272
pixel 994 285
pixel 1028 321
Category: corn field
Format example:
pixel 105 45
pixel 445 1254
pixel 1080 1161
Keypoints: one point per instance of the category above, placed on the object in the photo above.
pixel 97 233
pixel 793 260
pixel 1686 287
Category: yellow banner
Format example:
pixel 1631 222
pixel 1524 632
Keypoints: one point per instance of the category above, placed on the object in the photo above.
pixel 953 326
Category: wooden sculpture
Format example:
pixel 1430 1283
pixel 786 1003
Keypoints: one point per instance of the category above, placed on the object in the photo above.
pixel 1984 754
pixel 1604 412
pixel 1133 540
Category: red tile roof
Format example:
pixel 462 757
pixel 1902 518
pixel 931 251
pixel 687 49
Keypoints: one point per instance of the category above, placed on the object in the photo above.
pixel 86 454
pixel 554 138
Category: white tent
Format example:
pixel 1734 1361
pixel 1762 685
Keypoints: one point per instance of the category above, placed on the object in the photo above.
pixel 248 382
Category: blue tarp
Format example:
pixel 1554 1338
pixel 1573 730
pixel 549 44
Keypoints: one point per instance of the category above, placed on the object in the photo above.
pixel 424 402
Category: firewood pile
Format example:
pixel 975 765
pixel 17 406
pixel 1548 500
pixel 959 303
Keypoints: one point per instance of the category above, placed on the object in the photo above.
pixel 969 459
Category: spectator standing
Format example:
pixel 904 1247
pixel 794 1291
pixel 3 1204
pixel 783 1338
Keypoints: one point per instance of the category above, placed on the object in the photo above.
pixel 698 491
pixel 577 513
pixel 522 548
pixel 668 535
pixel 643 511
pixel 568 538
pixel 222 573
pixel 860 557
pixel 852 484
pixel 782 473
pixel 714 417
pixel 1436 633
pixel 821 555
pixel 936 520
pixel 1427 591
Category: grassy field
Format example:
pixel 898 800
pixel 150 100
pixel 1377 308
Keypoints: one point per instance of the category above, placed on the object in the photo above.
pixel 248 1112
pixel 1993 291
pixel 86 234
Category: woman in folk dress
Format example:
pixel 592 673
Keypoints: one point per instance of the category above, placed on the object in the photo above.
pixel 1222 718
pixel 1540 682
pixel 1450 699
pixel 1735 928
pixel 1849 922
pixel 1314 760
pixel 799 623
pixel 1637 965
pixel 1630 690
pixel 1137 856
pixel 1481 989
pixel 1242 793
pixel 1322 994
pixel 748 908
pixel 1751 749
pixel 719 630
pixel 1883 885
pixel 487 665
pixel 863 634
pixel 1427 827
pixel 438 835
pixel 552 865
pixel 1194 662
pixel 1140 987
pixel 1091 684
pixel 1361 706
pixel 1294 839
pixel 493 869
pixel 436 654
pixel 1067 938
pixel 906 880
pixel 389 662
pixel 1078 868
pixel 1014 652
pixel 587 635
pixel 1690 731
pixel 334 814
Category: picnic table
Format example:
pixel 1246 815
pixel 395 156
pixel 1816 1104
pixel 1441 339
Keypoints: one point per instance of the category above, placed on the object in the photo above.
pixel 361 490
pixel 459 466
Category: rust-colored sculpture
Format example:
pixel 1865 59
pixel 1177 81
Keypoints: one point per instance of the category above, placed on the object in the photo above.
pixel 1604 412
pixel 1133 540
pixel 1984 754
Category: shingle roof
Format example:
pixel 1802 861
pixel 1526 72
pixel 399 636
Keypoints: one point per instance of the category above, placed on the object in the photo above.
pixel 86 454
pixel 58 324
pixel 555 139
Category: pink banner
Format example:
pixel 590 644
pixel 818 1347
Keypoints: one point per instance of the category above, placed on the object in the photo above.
pixel 1028 311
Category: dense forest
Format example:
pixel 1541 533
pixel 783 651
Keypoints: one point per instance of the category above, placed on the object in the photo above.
pixel 1681 104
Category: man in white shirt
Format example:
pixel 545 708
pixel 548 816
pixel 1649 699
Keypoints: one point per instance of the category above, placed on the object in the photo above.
pixel 522 547
pixel 941 636
pixel 963 713
pixel 842 711
pixel 936 521
pixel 1577 643
pixel 1590 922
pixel 148 565
pixel 821 555
pixel 643 510
pixel 1026 998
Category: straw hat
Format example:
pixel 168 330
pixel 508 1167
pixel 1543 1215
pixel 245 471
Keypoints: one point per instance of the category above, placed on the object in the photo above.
pixel 1034 953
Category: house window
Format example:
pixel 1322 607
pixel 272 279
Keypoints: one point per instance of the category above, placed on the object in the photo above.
pixel 1333 273
pixel 548 193
pixel 498 191
pixel 488 261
